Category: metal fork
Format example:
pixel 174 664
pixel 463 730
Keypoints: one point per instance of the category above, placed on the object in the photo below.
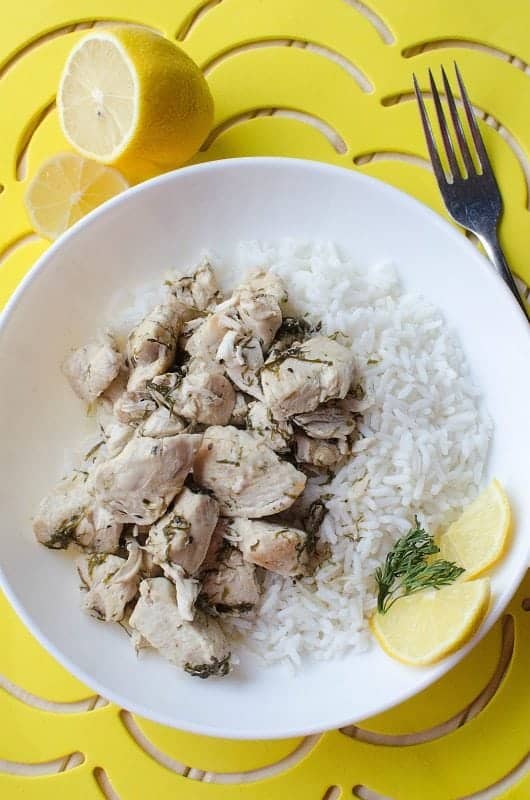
pixel 471 196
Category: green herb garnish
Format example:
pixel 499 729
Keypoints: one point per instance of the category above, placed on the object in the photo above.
pixel 407 569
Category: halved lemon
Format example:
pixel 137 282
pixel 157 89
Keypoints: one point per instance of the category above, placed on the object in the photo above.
pixel 132 98
pixel 65 188
pixel 479 537
pixel 423 628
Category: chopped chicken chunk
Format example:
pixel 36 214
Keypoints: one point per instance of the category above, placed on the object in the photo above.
pixel 239 413
pixel 160 423
pixel 138 485
pixel 205 397
pixel 189 327
pixel 204 342
pixel 182 536
pixel 61 511
pixel 199 647
pixel 132 407
pixel 263 281
pixel 199 291
pixel 273 546
pixel 98 531
pixel 186 589
pixel 111 583
pixel 153 343
pixel 150 569
pixel 277 434
pixel 115 433
pixel 302 377
pixel 247 477
pixel 259 309
pixel 233 586
pixel 329 421
pixel 69 514
pixel 217 544
pixel 242 358
pixel 316 451
pixel 92 368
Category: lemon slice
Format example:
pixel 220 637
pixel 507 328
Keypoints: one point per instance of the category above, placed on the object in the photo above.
pixel 132 98
pixel 479 538
pixel 423 628
pixel 65 188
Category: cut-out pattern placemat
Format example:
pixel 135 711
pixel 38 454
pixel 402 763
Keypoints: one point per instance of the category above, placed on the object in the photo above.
pixel 322 79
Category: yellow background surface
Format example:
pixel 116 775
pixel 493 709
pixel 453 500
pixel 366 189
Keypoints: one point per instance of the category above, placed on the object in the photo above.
pixel 328 80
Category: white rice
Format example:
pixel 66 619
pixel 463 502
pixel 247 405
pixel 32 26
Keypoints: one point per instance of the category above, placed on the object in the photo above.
pixel 423 446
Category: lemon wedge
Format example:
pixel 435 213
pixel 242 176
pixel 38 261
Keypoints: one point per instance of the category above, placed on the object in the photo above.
pixel 479 537
pixel 132 98
pixel 65 188
pixel 421 629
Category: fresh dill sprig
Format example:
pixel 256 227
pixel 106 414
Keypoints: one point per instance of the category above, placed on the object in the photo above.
pixel 407 569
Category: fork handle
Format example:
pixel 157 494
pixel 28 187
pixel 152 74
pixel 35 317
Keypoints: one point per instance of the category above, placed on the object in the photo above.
pixel 494 250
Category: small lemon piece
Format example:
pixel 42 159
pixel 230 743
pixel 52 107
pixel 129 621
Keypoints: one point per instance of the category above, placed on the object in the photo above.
pixel 479 537
pixel 421 629
pixel 132 98
pixel 65 188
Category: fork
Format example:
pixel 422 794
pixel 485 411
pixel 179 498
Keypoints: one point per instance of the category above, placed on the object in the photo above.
pixel 471 195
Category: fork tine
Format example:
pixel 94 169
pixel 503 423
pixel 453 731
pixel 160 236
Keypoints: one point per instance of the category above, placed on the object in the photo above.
pixel 444 129
pixel 429 138
pixel 472 121
pixel 464 148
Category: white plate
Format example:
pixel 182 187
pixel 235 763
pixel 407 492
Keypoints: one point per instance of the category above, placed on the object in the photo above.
pixel 167 222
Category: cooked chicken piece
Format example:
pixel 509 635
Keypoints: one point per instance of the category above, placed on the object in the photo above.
pixel 233 586
pixel 60 512
pixel 204 342
pixel 70 514
pixel 198 647
pixel 302 377
pixel 111 583
pixel 150 569
pixel 255 304
pixel 152 344
pixel 186 589
pixel 218 543
pixel 328 421
pixel 115 433
pixel 160 423
pixel 239 413
pixel 189 327
pixel 205 397
pixel 316 451
pixel 276 434
pixel 263 281
pixel 92 368
pixel 182 536
pixel 161 388
pixel 260 314
pixel 131 408
pixel 247 477
pixel 272 546
pixel 138 485
pixel 116 437
pixel 242 357
pixel 199 291
pixel 98 531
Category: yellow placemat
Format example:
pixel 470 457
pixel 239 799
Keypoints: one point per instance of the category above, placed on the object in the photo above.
pixel 323 79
